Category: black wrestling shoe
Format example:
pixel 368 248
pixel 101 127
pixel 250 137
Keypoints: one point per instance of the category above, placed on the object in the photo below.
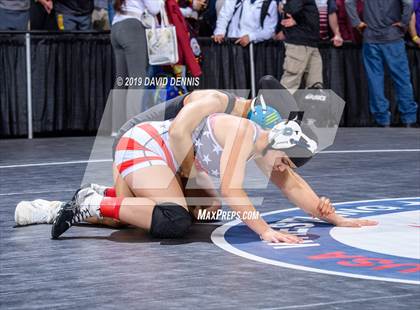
pixel 73 212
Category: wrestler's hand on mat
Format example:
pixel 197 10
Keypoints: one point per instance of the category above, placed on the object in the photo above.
pixel 348 222
pixel 194 210
pixel 324 207
pixel 275 236
pixel 340 221
pixel 218 38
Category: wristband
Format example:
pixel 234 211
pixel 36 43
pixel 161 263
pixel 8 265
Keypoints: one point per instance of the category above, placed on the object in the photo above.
pixel 415 38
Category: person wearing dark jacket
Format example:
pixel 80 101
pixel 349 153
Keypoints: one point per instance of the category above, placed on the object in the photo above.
pixel 43 16
pixel 302 34
pixel 74 14
pixel 384 25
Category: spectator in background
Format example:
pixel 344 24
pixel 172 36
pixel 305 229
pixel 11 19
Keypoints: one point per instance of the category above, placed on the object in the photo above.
pixel 111 11
pixel 100 19
pixel 128 39
pixel 346 29
pixel 219 5
pixel 383 44
pixel 301 30
pixel 185 50
pixel 247 21
pixel 42 15
pixel 14 14
pixel 207 19
pixel 415 23
pixel 328 21
pixel 74 14
pixel 191 10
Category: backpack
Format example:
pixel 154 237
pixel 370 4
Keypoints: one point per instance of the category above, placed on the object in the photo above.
pixel 264 10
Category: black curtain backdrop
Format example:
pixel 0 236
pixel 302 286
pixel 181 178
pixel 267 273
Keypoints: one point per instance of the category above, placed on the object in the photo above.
pixel 72 74
pixel 71 78
pixel 13 116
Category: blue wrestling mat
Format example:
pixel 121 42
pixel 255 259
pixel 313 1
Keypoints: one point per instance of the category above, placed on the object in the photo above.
pixel 387 252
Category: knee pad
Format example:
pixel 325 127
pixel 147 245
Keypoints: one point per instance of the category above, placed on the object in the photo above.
pixel 170 220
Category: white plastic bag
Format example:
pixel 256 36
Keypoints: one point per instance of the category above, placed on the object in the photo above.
pixel 162 44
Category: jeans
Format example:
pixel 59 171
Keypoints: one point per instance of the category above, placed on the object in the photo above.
pixel 111 11
pixel 13 20
pixel 77 22
pixel 394 55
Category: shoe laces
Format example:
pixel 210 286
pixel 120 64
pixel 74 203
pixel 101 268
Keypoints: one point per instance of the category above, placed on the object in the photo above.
pixel 79 213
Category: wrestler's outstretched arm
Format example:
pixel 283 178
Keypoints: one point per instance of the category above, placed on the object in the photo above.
pixel 237 149
pixel 298 191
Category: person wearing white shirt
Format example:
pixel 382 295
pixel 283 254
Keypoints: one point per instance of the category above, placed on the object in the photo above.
pixel 128 39
pixel 241 19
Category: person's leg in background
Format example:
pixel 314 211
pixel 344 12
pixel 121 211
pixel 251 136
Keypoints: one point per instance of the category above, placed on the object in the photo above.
pixel 111 11
pixel 84 22
pixel 314 68
pixel 14 20
pixel 374 66
pixel 119 95
pixel 396 59
pixel 66 22
pixel 294 66
pixel 40 19
pixel 132 39
pixel 75 22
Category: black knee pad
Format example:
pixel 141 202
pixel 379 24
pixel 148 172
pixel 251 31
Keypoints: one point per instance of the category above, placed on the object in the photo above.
pixel 170 220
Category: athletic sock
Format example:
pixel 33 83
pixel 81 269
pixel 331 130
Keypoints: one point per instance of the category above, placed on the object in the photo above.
pixel 110 207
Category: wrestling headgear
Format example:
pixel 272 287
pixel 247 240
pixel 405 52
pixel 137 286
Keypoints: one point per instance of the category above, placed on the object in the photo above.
pixel 263 115
pixel 288 137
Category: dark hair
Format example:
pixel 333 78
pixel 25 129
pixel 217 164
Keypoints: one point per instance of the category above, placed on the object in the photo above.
pixel 118 4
